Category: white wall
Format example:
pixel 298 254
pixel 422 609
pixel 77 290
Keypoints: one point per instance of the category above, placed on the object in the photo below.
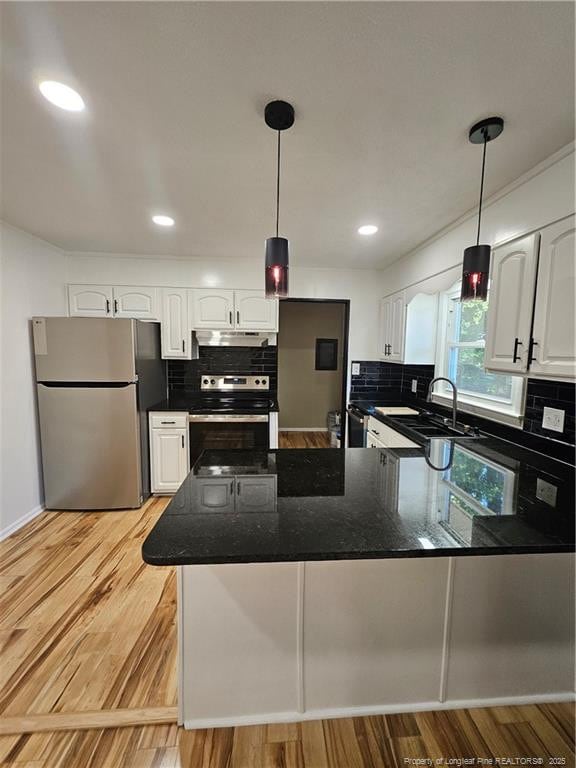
pixel 32 282
pixel 362 287
pixel 540 197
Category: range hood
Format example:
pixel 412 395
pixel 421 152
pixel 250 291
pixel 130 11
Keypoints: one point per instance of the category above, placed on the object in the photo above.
pixel 235 339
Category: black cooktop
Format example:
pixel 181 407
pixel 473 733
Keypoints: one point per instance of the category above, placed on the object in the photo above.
pixel 238 403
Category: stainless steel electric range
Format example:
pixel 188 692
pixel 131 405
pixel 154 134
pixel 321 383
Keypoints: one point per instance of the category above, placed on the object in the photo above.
pixel 232 412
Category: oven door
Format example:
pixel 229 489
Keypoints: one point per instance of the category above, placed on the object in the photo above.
pixel 221 432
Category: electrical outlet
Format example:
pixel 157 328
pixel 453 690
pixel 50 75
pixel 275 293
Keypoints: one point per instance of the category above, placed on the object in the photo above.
pixel 414 385
pixel 355 369
pixel 553 419
pixel 546 492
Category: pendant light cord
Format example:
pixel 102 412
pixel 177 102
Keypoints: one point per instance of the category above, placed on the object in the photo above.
pixel 278 186
pixel 481 188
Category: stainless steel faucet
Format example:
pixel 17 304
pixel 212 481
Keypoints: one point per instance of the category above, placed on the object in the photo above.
pixel 454 395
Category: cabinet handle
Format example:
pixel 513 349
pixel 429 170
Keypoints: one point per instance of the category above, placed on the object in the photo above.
pixel 107 306
pixel 238 317
pixel 533 344
pixel 115 306
pixel 231 487
pixel 238 488
pixel 515 355
pixel 167 422
pixel 182 441
pixel 230 317
pixel 183 345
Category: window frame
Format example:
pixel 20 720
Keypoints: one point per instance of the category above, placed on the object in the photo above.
pixel 494 408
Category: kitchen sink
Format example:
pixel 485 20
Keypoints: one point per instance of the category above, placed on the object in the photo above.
pixel 429 426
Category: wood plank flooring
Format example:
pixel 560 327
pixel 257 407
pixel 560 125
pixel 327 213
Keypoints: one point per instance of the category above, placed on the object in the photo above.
pixel 85 624
pixel 544 731
pixel 87 628
pixel 304 439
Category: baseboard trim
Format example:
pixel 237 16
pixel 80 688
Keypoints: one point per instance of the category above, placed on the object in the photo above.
pixel 384 709
pixel 83 721
pixel 302 429
pixel 21 522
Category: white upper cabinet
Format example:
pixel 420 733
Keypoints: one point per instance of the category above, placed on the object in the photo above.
pixel 139 302
pixel 531 305
pixel 408 329
pixel 510 302
pixel 175 334
pixel 212 309
pixel 254 312
pixel 90 300
pixel 242 310
pixel 553 338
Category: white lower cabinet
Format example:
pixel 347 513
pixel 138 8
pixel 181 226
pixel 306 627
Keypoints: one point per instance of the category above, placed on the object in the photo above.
pixel 169 451
pixel 382 436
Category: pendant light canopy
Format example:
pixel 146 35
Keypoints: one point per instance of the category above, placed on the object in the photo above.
pixel 279 115
pixel 476 266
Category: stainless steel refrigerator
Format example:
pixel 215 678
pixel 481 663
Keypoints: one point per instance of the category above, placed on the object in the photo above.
pixel 96 379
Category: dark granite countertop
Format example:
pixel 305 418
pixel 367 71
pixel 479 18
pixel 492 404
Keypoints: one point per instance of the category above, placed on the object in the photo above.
pixel 332 504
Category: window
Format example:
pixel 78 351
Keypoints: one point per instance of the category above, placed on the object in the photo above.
pixel 462 331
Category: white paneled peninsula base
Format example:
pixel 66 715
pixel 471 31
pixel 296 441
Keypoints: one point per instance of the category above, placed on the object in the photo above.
pixel 277 642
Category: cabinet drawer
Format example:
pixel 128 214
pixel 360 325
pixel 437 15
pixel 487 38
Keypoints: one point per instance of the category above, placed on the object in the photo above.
pixel 388 436
pixel 168 419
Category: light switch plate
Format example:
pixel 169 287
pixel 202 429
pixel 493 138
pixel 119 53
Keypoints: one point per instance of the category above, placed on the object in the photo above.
pixel 414 385
pixel 355 369
pixel 546 492
pixel 553 419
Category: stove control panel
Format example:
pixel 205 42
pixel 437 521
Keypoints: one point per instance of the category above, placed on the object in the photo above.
pixel 229 383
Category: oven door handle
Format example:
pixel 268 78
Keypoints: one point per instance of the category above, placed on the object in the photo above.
pixel 231 418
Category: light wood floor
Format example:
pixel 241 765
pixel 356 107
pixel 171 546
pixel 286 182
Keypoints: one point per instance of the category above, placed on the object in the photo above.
pixel 88 636
pixel 544 731
pixel 304 440
pixel 85 624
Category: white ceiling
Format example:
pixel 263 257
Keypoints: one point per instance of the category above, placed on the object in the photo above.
pixel 384 94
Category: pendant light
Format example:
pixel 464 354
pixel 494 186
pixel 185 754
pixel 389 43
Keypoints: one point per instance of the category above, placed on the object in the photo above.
pixel 476 266
pixel 279 115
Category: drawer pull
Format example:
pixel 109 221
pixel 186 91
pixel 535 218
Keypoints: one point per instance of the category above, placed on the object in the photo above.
pixel 167 422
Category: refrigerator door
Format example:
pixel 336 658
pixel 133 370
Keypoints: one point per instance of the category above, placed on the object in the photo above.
pixel 90 446
pixel 70 349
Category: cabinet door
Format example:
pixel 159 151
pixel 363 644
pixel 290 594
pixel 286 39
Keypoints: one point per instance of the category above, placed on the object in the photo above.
pixel 254 312
pixel 385 327
pixel 90 300
pixel 373 442
pixel 212 309
pixel 169 459
pixel 397 328
pixel 138 302
pixel 510 302
pixel 553 333
pixel 215 494
pixel 256 493
pixel 176 339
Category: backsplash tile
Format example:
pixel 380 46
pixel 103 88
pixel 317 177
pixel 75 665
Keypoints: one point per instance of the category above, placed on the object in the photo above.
pixel 550 394
pixel 243 361
pixel 394 381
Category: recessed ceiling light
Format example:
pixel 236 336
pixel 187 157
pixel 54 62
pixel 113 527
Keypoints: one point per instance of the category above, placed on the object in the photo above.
pixel 61 95
pixel 163 221
pixel 367 229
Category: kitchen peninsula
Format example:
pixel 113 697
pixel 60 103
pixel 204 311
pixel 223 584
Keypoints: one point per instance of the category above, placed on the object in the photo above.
pixel 333 582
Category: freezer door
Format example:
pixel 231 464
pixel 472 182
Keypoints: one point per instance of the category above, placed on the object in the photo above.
pixel 90 447
pixel 69 349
